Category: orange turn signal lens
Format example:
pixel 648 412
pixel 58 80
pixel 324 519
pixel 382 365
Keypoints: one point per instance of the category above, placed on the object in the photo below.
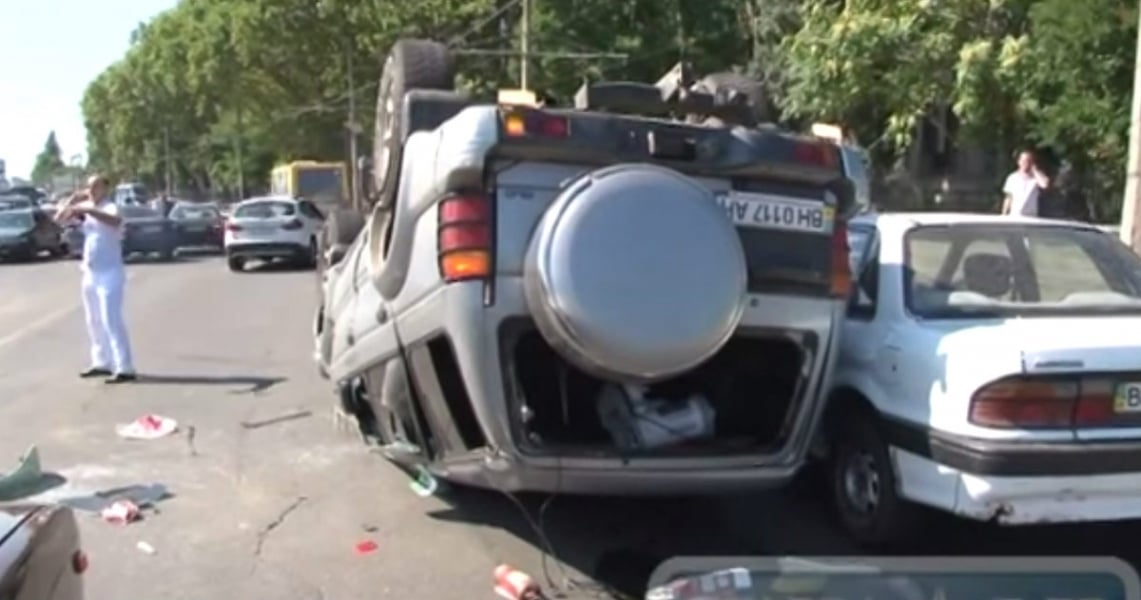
pixel 465 264
pixel 515 125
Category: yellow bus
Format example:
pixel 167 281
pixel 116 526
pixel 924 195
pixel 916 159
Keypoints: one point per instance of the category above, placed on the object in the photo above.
pixel 320 182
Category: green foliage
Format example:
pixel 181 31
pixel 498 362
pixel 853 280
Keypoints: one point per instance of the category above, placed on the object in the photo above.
pixel 883 65
pixel 49 162
pixel 268 80
pixel 271 77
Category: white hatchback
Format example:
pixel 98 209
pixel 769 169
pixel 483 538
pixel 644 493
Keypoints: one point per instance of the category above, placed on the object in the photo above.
pixel 272 228
pixel 990 367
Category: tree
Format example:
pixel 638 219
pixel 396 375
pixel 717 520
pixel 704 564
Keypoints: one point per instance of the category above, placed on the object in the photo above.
pixel 49 162
pixel 881 66
pixel 1076 82
pixel 270 77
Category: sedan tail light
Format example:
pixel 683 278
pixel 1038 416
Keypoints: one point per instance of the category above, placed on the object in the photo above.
pixel 1025 404
pixel 1057 402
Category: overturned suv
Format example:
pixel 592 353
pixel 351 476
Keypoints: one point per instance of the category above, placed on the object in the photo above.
pixel 583 300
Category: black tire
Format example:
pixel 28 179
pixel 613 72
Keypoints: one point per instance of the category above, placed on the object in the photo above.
pixel 880 518
pixel 166 255
pixel 410 65
pixel 340 230
pixel 760 107
pixel 237 264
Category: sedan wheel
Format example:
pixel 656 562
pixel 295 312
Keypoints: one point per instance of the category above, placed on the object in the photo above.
pixel 864 487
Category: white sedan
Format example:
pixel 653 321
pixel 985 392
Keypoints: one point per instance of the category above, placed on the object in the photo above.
pixel 990 368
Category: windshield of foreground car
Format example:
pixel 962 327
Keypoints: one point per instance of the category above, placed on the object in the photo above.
pixel 15 220
pixel 1014 270
pixel 264 210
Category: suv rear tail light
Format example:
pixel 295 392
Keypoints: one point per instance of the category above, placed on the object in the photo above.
pixel 293 225
pixel 817 154
pixel 464 237
pixel 230 226
pixel 841 268
pixel 535 123
pixel 79 562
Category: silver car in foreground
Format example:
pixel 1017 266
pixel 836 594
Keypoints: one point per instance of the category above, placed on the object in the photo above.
pixel 578 301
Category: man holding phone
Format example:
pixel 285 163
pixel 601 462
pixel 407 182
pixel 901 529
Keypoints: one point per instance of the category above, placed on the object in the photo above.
pixel 1023 187
pixel 104 277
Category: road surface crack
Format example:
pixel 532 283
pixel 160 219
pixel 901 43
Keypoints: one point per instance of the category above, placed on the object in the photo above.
pixel 264 532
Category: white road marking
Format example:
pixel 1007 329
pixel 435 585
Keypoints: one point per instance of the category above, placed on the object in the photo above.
pixel 36 325
pixel 42 322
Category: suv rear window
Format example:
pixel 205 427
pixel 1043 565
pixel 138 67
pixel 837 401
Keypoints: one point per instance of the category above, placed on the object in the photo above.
pixel 265 210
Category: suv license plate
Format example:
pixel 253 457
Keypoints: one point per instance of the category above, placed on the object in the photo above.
pixel 768 211
pixel 1127 398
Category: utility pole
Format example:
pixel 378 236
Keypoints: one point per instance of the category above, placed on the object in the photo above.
pixel 525 44
pixel 167 159
pixel 238 157
pixel 1131 209
pixel 525 53
pixel 354 130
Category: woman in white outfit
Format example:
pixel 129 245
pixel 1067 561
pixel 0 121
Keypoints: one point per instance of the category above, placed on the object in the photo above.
pixel 104 277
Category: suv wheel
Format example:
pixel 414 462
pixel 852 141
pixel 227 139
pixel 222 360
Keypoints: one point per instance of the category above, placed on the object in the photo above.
pixel 237 264
pixel 411 65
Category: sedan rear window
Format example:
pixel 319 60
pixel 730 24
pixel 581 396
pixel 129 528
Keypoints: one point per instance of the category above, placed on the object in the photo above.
pixel 1015 270
pixel 137 212
pixel 194 212
pixel 265 210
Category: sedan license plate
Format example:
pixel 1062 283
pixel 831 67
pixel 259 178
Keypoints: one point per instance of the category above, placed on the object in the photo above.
pixel 1127 398
pixel 257 229
pixel 768 211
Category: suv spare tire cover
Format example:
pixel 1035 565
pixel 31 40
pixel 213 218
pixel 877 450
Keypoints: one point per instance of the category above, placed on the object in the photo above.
pixel 636 274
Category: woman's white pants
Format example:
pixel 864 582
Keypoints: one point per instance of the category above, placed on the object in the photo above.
pixel 103 308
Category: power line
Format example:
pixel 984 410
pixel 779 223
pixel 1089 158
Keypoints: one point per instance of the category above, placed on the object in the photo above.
pixel 568 55
pixel 459 39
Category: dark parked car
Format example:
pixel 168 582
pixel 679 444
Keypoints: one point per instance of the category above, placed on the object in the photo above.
pixel 25 234
pixel 198 225
pixel 14 202
pixel 40 555
pixel 146 231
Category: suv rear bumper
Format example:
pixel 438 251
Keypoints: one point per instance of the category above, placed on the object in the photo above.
pixel 458 313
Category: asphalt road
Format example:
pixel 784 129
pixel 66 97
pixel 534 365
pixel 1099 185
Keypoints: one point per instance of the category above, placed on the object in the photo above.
pixel 277 511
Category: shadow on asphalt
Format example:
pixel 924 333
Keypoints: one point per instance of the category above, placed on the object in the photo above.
pixel 254 383
pixel 618 542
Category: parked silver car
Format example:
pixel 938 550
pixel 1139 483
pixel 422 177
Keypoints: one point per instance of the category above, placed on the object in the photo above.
pixel 586 302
